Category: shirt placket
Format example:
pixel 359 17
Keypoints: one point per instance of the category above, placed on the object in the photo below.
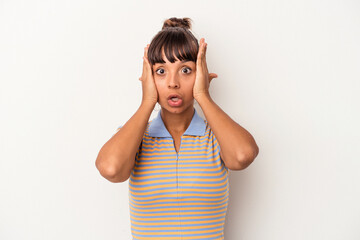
pixel 177 183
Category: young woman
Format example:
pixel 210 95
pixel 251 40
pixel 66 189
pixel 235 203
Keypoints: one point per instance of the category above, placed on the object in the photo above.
pixel 177 164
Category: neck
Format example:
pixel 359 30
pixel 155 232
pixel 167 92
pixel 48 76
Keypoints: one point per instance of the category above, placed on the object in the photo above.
pixel 177 123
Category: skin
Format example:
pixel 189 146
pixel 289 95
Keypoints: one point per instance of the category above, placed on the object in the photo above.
pixel 116 158
pixel 238 147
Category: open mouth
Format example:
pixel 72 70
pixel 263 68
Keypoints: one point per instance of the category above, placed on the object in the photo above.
pixel 174 97
pixel 174 100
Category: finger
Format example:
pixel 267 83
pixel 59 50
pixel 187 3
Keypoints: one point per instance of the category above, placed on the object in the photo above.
pixel 204 64
pixel 204 52
pixel 147 65
pixel 146 60
pixel 144 64
pixel 146 50
pixel 205 48
pixel 201 46
pixel 203 55
pixel 202 40
pixel 200 53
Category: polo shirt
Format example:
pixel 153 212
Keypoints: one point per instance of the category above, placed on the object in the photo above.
pixel 180 195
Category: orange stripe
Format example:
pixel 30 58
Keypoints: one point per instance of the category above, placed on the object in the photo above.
pixel 177 170
pixel 179 195
pixel 173 165
pixel 183 180
pixel 214 200
pixel 174 208
pixel 180 238
pixel 179 184
pixel 188 232
pixel 182 190
pixel 172 204
pixel 204 147
pixel 177 174
pixel 177 223
pixel 167 214
pixel 179 218
pixel 182 227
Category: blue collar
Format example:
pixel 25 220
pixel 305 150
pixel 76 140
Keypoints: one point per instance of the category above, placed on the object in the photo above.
pixel 157 127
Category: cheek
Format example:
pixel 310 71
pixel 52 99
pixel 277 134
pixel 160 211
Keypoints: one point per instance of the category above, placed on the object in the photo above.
pixel 189 87
pixel 159 84
pixel 191 82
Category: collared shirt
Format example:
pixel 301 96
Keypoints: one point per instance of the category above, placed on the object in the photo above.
pixel 178 195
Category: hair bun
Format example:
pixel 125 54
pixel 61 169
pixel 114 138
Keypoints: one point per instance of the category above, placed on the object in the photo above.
pixel 177 22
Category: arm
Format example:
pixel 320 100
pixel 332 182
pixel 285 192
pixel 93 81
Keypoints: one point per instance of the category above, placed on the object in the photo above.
pixel 238 148
pixel 116 158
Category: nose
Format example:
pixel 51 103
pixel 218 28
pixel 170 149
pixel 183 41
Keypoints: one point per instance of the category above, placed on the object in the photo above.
pixel 173 81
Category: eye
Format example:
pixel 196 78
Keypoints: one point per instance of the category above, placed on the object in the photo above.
pixel 187 70
pixel 160 71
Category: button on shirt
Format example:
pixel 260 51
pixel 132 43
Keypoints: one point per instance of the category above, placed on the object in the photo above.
pixel 180 195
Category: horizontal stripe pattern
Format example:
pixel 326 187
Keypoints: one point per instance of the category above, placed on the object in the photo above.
pixel 178 195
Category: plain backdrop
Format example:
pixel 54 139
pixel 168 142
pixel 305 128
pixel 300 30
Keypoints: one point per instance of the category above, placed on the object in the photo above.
pixel 289 73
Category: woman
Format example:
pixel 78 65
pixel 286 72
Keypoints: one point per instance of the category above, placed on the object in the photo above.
pixel 177 164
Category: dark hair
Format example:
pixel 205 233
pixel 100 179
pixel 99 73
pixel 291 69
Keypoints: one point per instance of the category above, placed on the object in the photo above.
pixel 176 40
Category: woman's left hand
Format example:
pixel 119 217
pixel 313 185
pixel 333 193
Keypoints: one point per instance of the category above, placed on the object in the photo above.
pixel 203 77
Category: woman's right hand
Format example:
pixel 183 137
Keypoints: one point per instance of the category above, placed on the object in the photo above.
pixel 149 90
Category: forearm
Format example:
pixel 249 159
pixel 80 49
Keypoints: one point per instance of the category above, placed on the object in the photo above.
pixel 238 147
pixel 116 158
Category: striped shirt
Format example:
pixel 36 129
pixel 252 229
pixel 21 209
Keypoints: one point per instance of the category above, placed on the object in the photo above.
pixel 182 195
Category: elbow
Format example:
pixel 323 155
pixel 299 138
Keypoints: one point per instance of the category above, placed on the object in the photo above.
pixel 110 172
pixel 245 159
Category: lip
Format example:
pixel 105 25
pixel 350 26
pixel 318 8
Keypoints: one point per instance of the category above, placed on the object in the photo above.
pixel 174 95
pixel 171 103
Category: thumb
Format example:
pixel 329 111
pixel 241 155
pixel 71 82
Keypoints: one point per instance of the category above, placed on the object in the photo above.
pixel 212 75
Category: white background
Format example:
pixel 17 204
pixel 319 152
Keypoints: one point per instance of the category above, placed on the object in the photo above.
pixel 289 72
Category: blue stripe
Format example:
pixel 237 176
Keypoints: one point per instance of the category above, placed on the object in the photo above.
pixel 187 225
pixel 152 168
pixel 176 214
pixel 181 182
pixel 162 188
pixel 176 220
pixel 166 230
pixel 183 234
pixel 184 211
pixel 176 201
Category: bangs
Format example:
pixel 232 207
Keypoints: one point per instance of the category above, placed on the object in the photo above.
pixel 176 45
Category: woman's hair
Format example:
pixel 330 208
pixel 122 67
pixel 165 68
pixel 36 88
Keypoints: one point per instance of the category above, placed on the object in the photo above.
pixel 176 40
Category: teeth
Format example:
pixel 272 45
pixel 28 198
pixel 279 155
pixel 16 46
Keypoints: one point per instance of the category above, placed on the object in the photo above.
pixel 175 99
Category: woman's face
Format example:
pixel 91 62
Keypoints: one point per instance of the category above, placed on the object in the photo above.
pixel 174 83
